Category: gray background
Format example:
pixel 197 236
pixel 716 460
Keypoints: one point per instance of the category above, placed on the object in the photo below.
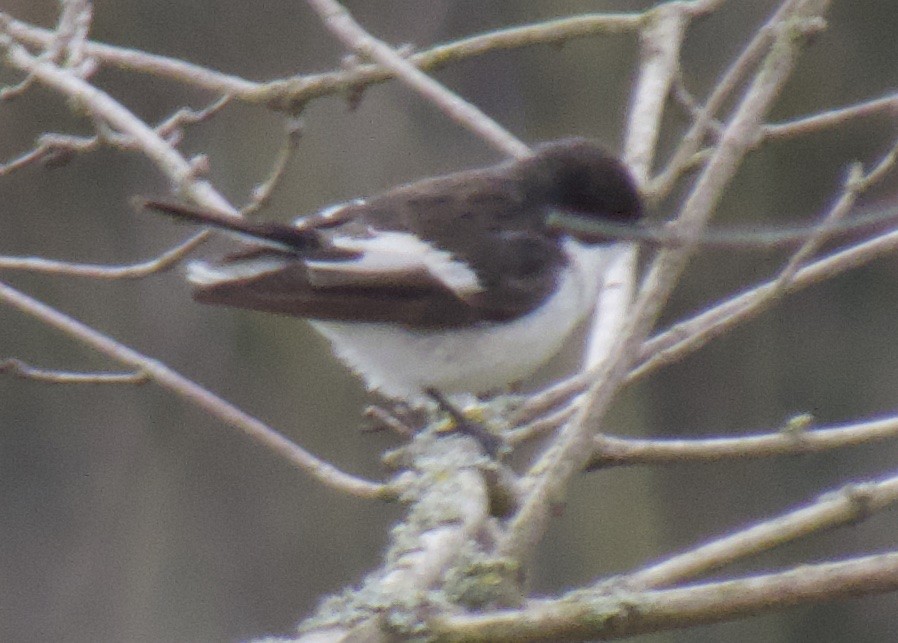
pixel 127 514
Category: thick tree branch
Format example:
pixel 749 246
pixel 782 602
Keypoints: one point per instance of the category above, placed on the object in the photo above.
pixel 604 616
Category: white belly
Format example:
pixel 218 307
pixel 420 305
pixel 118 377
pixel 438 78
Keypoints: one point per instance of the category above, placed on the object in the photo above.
pixel 402 363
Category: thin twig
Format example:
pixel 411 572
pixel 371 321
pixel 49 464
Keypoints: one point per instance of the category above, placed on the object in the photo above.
pixel 186 116
pixel 55 150
pixel 830 118
pixel 850 504
pixel 684 98
pixel 139 270
pixel 339 21
pixel 538 427
pixel 11 92
pixel 855 183
pixel 135 60
pixel 261 194
pixel 692 141
pixel 384 419
pixel 612 451
pixel 651 236
pixel 18 368
pixel 690 335
pixel 186 388
pixel 824 228
pixel 25 159
pixel 288 93
pixel 168 160
pixel 67 46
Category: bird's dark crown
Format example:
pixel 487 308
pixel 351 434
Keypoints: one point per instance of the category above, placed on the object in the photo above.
pixel 578 175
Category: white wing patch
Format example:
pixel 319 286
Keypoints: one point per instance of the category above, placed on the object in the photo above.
pixel 394 253
pixel 329 212
pixel 202 273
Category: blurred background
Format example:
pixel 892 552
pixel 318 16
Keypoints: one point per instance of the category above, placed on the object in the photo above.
pixel 129 515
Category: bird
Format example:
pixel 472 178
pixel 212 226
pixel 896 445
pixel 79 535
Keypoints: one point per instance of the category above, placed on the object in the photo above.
pixel 456 283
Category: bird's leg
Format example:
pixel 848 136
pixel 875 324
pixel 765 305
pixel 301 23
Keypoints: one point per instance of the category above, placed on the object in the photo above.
pixel 489 441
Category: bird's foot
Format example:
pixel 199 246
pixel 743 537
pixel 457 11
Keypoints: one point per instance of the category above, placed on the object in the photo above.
pixel 470 421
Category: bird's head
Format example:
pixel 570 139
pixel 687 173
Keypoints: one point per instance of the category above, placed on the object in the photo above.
pixel 580 178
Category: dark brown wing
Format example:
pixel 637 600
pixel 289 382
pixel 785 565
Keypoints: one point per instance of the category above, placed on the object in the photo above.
pixel 485 258
pixel 412 298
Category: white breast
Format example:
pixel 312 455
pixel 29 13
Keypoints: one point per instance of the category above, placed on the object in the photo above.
pixel 401 363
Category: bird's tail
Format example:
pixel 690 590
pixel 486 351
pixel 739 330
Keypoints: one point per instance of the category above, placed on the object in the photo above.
pixel 267 232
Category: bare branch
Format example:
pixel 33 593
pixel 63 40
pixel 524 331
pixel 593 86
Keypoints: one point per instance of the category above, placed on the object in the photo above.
pixel 690 335
pixel 261 194
pixel 290 93
pixel 660 43
pixel 135 60
pixel 661 39
pixel 339 21
pixel 54 150
pixel 684 98
pixel 611 451
pixel 855 183
pixel 824 228
pixel 20 369
pixel 692 141
pixel 171 127
pixel 168 379
pixel 103 106
pixel 448 514
pixel 585 615
pixel 58 149
pixel 67 46
pixel 538 427
pixel 384 419
pixel 160 263
pixel 830 118
pixel 850 504
pixel 30 157
pixel 551 473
